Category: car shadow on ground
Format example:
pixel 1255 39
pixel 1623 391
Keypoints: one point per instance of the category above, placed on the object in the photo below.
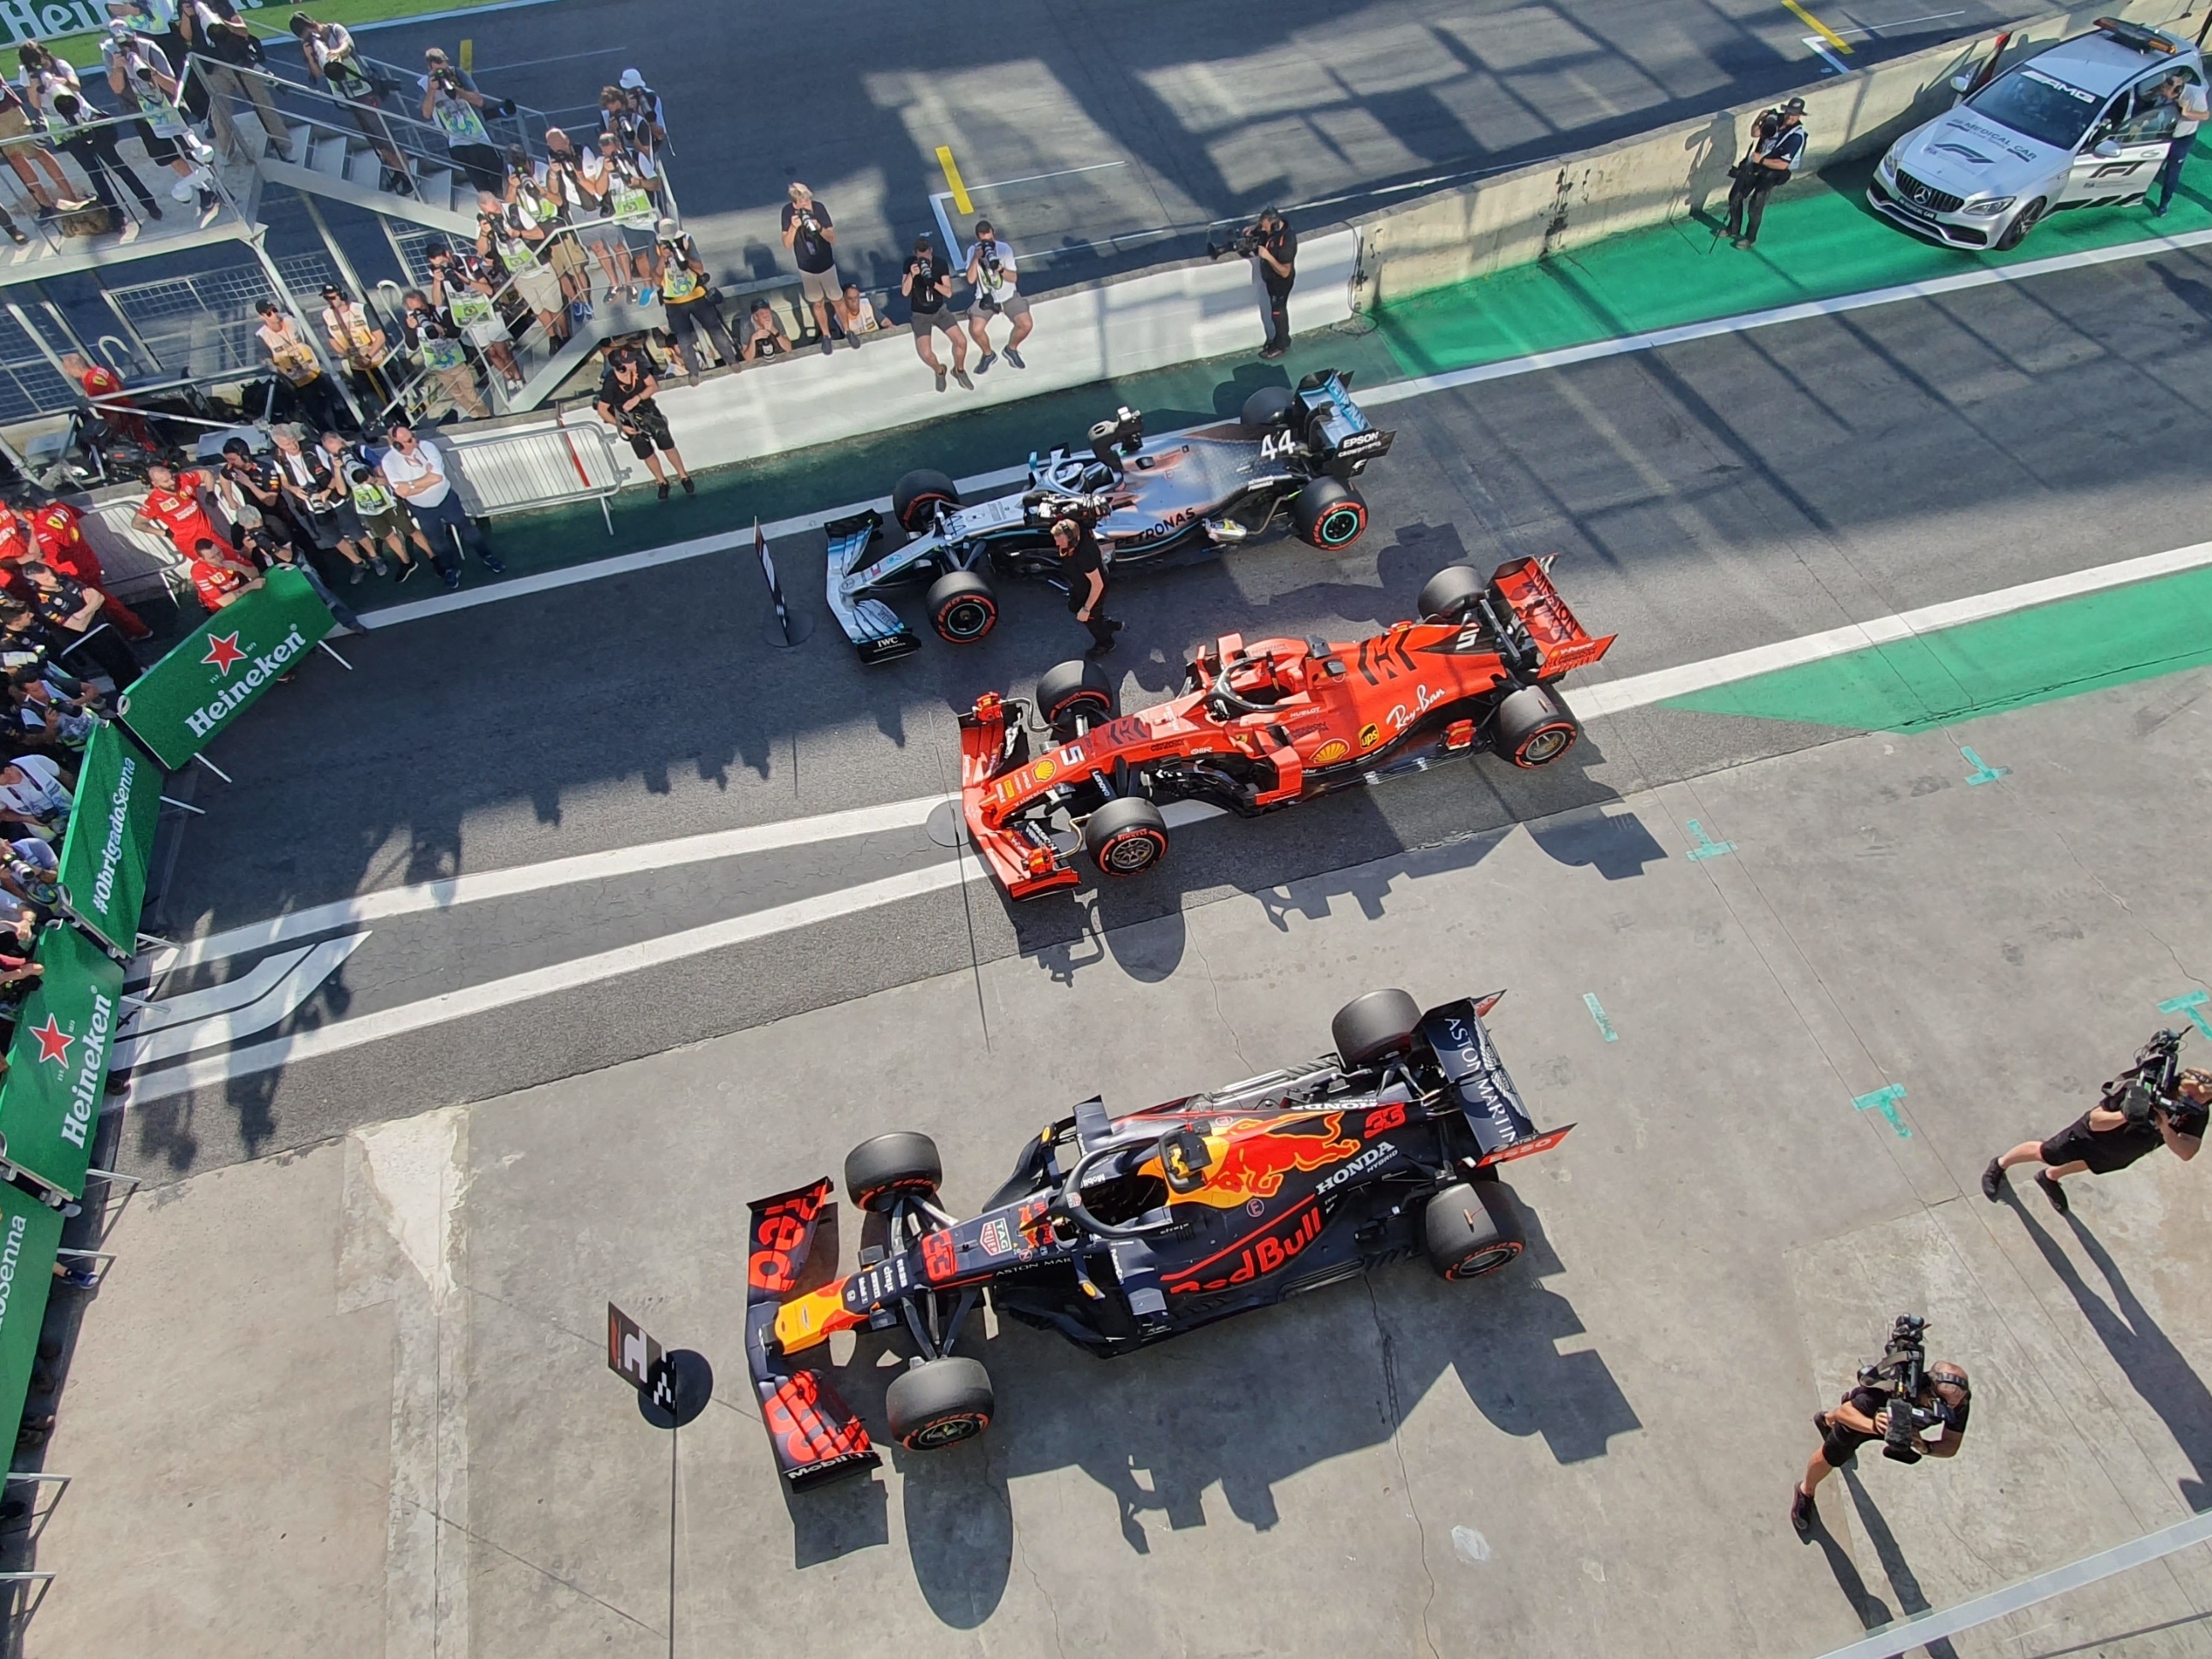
pixel 1173 1435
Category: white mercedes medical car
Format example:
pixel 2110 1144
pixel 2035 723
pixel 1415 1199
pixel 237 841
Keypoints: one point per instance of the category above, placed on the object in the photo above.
pixel 2078 125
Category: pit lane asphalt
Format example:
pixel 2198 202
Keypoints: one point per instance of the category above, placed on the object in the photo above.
pixel 1702 499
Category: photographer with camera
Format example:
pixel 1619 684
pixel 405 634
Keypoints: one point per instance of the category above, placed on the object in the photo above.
pixel 627 403
pixel 452 105
pixel 928 284
pixel 1900 1399
pixel 230 60
pixel 2153 1103
pixel 811 235
pixel 1270 243
pixel 1777 144
pixel 141 75
pixel 991 273
pixel 334 61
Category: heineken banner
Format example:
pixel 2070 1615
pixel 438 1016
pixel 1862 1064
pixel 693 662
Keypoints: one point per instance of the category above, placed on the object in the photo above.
pixel 57 1064
pixel 29 1235
pixel 178 705
pixel 111 838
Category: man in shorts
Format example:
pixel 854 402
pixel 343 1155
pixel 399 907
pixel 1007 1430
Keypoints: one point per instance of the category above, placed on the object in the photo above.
pixel 314 502
pixel 383 520
pixel 811 236
pixel 688 299
pixel 991 274
pixel 927 285
pixel 2103 1140
pixel 626 403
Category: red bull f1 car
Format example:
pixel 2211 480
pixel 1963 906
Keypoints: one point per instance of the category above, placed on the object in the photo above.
pixel 1267 723
pixel 1117 1232
pixel 1291 452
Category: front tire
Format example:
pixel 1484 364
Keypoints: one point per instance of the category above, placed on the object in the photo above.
pixel 1532 729
pixel 916 498
pixel 1470 1231
pixel 940 1403
pixel 2022 223
pixel 1069 691
pixel 1373 1027
pixel 963 606
pixel 884 1167
pixel 1329 514
pixel 1127 836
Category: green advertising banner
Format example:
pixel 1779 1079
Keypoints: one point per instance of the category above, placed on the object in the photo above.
pixel 178 705
pixel 57 1064
pixel 111 838
pixel 29 1235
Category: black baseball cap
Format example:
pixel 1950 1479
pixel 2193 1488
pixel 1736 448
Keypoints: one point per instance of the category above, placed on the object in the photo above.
pixel 1795 106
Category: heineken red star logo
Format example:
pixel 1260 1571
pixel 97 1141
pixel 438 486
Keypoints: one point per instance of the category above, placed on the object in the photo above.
pixel 53 1041
pixel 223 651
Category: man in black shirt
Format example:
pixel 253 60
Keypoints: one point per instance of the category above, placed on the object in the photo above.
pixel 1863 1415
pixel 70 611
pixel 1777 144
pixel 927 285
pixel 809 233
pixel 1085 571
pixel 626 403
pixel 1276 249
pixel 2103 1138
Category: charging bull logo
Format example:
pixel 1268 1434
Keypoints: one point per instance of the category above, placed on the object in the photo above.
pixel 1260 1154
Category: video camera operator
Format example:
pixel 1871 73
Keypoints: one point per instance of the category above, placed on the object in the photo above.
pixel 1777 144
pixel 2153 1103
pixel 1271 244
pixel 1916 1410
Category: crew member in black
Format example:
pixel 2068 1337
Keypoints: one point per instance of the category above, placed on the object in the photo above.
pixel 1276 248
pixel 1777 144
pixel 2102 1140
pixel 69 611
pixel 1863 1415
pixel 1079 562
pixel 626 403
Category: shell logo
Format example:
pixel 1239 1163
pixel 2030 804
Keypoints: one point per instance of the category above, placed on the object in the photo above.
pixel 1043 771
pixel 1331 752
pixel 1370 736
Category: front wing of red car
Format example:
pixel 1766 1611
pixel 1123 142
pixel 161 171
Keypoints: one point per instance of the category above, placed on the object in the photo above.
pixel 815 1436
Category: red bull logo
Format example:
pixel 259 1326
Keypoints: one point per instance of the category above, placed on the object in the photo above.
pixel 1262 1151
pixel 1269 1250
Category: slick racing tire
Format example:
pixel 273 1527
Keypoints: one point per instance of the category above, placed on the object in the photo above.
pixel 963 606
pixel 939 1403
pixel 1449 595
pixel 1373 1027
pixel 1469 1232
pixel 1329 514
pixel 2023 221
pixel 1268 408
pixel 915 497
pixel 1127 836
pixel 885 1167
pixel 1075 690
pixel 1533 730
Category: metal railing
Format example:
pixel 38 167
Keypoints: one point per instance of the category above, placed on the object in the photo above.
pixel 517 472
pixel 203 326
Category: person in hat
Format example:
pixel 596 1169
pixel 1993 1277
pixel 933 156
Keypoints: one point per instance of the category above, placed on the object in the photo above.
pixel 1777 144
pixel 645 105
pixel 689 298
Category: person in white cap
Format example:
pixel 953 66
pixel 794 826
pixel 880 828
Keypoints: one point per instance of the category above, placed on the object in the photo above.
pixel 688 297
pixel 645 104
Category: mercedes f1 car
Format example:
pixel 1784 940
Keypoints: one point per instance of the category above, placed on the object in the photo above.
pixel 1211 486
pixel 1266 723
pixel 1121 1232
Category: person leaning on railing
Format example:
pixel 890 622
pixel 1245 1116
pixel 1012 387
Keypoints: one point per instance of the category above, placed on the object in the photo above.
pixel 334 61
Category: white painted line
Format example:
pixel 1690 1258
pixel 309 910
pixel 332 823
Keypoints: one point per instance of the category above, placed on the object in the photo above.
pixel 554 873
pixel 1836 65
pixel 311 968
pixel 247 988
pixel 545 981
pixel 1637 690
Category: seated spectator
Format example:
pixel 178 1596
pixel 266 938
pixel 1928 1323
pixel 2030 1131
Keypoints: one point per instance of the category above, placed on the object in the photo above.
pixel 98 381
pixel 765 335
pixel 33 796
pixel 221 574
pixel 856 314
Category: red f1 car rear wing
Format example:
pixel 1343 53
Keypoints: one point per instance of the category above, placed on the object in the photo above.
pixel 1526 586
pixel 815 1436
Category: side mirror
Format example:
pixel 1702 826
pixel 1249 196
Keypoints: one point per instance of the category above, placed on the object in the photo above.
pixel 2105 149
pixel 1963 81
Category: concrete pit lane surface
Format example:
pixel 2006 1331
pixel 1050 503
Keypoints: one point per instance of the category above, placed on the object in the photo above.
pixel 1797 958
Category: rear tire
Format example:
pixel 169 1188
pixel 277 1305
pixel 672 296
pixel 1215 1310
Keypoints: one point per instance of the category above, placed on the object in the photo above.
pixel 1073 689
pixel 915 498
pixel 1532 729
pixel 2023 221
pixel 1470 1231
pixel 939 1403
pixel 1329 514
pixel 1369 1028
pixel 1127 836
pixel 963 606
pixel 884 1167
pixel 1268 408
pixel 1448 596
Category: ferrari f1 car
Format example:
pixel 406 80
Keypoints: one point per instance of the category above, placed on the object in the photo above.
pixel 1211 486
pixel 1121 1232
pixel 1266 723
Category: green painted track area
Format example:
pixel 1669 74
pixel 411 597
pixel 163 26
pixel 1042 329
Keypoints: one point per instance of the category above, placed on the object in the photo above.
pixel 1819 242
pixel 2053 651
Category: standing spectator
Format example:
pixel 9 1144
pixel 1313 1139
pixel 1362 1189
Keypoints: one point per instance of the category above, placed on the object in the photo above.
pixel 811 236
pixel 635 134
pixel 293 358
pixel 992 275
pixel 927 285
pixel 316 501
pixel 179 505
pixel 466 289
pixel 2191 110
pixel 765 335
pixel 71 611
pixel 628 197
pixel 512 239
pixel 645 105
pixel 58 529
pixel 229 56
pixel 417 472
pixel 544 210
pixel 383 520
pixel 100 382
pixel 454 107
pixel 1777 144
pixel 143 77
pixel 856 315
pixel 693 306
pixel 359 343
pixel 248 495
pixel 626 403
pixel 55 96
pixel 334 61
pixel 561 179
pixel 432 337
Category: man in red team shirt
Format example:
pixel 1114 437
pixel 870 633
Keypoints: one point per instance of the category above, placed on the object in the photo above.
pixel 220 577
pixel 56 527
pixel 100 381
pixel 178 506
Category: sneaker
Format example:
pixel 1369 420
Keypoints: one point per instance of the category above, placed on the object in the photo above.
pixel 1268 354
pixel 983 363
pixel 378 565
pixel 493 564
pixel 77 1278
pixel 689 488
pixel 406 570
pixel 1801 1514
pixel 181 191
pixel 827 345
pixel 1993 1181
pixel 646 296
pixel 2158 212
pixel 354 576
pixel 2052 1191
pixel 940 380
pixel 961 375
pixel 1013 357
pixel 452 580
pixel 580 311
pixel 211 206
pixel 663 489
pixel 853 341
